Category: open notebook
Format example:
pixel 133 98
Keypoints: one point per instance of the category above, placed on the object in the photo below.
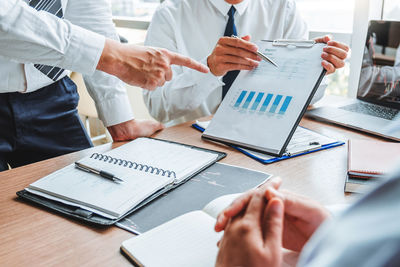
pixel 188 240
pixel 149 167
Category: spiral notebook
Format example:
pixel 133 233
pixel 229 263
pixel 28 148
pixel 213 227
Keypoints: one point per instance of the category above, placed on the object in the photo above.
pixel 149 167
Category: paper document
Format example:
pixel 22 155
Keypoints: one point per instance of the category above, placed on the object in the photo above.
pixel 263 106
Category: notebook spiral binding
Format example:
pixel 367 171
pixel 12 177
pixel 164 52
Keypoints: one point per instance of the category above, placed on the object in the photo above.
pixel 134 165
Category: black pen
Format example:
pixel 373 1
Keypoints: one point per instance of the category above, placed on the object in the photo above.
pixel 101 173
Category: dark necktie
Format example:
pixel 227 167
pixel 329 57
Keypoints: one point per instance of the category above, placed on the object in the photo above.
pixel 229 31
pixel 54 7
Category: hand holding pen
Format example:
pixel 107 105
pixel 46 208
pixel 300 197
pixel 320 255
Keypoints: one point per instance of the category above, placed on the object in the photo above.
pixel 233 54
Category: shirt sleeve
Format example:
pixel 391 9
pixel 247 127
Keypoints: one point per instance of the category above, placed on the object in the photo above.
pixel 108 92
pixel 30 36
pixel 296 28
pixel 188 89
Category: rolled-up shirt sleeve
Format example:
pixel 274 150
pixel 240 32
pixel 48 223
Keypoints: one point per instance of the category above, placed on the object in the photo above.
pixel 108 92
pixel 30 36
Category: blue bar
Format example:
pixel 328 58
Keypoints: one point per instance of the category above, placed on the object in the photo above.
pixel 248 100
pixel 257 102
pixel 240 99
pixel 266 103
pixel 285 105
pixel 275 104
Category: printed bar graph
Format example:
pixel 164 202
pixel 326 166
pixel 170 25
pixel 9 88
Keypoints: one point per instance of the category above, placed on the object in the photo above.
pixel 260 102
pixel 285 105
pixel 266 103
pixel 248 100
pixel 277 100
pixel 257 101
pixel 240 99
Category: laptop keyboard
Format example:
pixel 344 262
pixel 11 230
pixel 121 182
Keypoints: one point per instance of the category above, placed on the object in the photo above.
pixel 373 110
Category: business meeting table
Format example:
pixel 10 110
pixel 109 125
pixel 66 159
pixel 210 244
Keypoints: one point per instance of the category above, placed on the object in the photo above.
pixel 33 236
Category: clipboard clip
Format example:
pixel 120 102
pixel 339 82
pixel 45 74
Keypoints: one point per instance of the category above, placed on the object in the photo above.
pixel 292 42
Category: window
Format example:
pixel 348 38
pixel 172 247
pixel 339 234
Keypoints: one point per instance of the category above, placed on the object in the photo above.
pixel 391 10
pixel 322 18
pixel 135 9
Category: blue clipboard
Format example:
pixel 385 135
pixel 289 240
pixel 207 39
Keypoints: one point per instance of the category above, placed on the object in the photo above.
pixel 276 159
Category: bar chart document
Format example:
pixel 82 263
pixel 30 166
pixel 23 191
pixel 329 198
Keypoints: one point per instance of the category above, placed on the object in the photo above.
pixel 264 106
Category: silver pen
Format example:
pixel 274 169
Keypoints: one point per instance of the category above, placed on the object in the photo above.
pixel 266 58
pixel 101 173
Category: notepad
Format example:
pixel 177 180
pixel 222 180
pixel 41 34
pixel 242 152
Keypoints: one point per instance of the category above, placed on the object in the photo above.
pixel 147 166
pixel 188 240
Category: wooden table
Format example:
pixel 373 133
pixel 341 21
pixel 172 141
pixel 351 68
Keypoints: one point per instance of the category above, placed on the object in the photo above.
pixel 32 236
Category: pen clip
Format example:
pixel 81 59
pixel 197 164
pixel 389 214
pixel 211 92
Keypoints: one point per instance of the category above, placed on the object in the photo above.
pixel 292 42
pixel 79 166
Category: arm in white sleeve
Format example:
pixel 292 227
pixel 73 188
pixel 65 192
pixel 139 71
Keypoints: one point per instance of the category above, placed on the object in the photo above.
pixel 296 28
pixel 188 89
pixel 108 92
pixel 29 36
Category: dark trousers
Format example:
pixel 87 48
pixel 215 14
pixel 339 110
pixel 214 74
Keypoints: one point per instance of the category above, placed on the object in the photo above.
pixel 40 125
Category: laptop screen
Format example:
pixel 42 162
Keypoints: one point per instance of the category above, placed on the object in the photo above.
pixel 380 72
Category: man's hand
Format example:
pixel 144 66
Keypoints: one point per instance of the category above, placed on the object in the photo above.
pixel 146 67
pixel 334 55
pixel 302 217
pixel 254 239
pixel 233 54
pixel 133 129
pixel 240 204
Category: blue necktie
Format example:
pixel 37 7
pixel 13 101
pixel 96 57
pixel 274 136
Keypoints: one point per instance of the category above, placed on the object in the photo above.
pixel 54 7
pixel 229 31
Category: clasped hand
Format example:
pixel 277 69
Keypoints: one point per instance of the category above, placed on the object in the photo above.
pixel 262 221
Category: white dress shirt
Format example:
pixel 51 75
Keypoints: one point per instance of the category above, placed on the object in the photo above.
pixel 74 43
pixel 192 28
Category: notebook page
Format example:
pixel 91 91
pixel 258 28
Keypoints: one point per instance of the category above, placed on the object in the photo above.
pixel 101 194
pixel 188 240
pixel 181 159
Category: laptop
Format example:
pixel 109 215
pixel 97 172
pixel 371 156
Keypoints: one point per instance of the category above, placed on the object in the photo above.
pixel 378 94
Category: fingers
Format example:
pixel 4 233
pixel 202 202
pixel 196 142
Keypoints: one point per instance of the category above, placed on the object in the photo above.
pixel 168 75
pixel 177 59
pixel 273 224
pixel 274 182
pixel 240 60
pixel 232 66
pixel 328 66
pixel 325 39
pixel 296 205
pixel 338 52
pixel 246 38
pixel 234 209
pixel 238 43
pixel 339 45
pixel 241 203
pixel 255 208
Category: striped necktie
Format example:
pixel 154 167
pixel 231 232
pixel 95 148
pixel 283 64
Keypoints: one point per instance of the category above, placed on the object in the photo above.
pixel 54 7
pixel 229 31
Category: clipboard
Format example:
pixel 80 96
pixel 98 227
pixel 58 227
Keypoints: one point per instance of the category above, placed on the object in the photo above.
pixel 264 159
pixel 264 106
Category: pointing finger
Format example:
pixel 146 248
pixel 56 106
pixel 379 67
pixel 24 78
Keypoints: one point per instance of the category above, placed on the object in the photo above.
pixel 180 60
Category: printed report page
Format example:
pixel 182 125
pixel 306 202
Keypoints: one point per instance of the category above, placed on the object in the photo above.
pixel 263 105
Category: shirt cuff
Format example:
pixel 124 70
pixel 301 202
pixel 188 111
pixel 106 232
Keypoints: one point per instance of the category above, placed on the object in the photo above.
pixel 114 111
pixel 84 50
